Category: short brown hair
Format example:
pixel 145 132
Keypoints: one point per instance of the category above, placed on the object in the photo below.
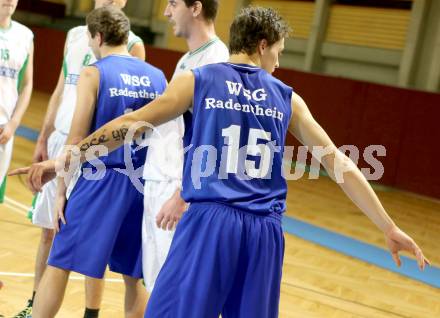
pixel 111 22
pixel 209 8
pixel 254 24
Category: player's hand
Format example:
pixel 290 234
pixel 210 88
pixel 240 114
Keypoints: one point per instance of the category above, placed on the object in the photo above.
pixel 60 204
pixel 397 241
pixel 38 174
pixel 6 133
pixel 171 212
pixel 40 153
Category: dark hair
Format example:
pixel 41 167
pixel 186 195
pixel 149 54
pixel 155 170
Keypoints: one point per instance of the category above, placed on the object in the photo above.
pixel 111 22
pixel 254 24
pixel 209 8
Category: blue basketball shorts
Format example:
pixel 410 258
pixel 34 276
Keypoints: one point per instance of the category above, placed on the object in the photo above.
pixel 221 261
pixel 104 227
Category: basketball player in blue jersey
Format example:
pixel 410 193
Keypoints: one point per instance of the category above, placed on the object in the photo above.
pixel 227 253
pixel 52 137
pixel 116 84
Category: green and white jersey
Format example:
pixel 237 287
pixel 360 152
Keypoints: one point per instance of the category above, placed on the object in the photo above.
pixel 165 152
pixel 214 51
pixel 78 54
pixel 15 43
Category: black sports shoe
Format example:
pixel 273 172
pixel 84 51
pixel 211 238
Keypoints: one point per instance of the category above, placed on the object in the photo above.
pixel 26 312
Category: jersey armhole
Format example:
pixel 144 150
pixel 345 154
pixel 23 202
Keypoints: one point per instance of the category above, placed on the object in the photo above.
pixel 196 73
pixel 289 97
pixel 21 73
pixel 133 42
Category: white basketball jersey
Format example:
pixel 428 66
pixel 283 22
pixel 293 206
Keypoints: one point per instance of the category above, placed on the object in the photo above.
pixel 15 43
pixel 78 55
pixel 165 154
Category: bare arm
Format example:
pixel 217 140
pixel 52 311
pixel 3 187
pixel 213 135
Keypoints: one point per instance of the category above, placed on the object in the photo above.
pixel 304 127
pixel 138 50
pixel 175 101
pixel 48 127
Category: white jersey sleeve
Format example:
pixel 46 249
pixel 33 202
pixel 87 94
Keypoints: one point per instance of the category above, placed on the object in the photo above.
pixel 165 154
pixel 132 40
pixel 15 44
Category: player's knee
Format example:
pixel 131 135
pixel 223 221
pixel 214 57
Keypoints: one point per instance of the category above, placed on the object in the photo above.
pixel 131 282
pixel 47 236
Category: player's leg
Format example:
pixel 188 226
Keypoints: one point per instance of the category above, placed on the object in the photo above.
pixel 43 212
pixel 85 242
pixel 201 264
pixel 155 241
pixel 256 289
pixel 50 292
pixel 42 216
pixel 46 239
pixel 40 266
pixel 128 261
pixel 94 291
pixel 135 297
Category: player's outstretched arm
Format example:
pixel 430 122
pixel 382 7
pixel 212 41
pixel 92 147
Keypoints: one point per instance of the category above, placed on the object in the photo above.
pixel 176 99
pixel 304 127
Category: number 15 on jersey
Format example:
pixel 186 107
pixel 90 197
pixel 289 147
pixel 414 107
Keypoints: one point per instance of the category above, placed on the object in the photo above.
pixel 235 153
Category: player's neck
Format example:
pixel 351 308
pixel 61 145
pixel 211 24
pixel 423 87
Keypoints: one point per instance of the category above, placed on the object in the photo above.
pixel 113 50
pixel 243 58
pixel 202 34
pixel 5 22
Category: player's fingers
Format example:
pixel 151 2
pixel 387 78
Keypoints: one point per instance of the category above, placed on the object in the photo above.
pixel 164 223
pixel 420 258
pixel 176 219
pixel 19 171
pixel 29 180
pixel 171 224
pixel 56 224
pixel 427 261
pixel 40 179
pixel 62 217
pixel 174 226
pixel 159 219
pixel 35 178
pixel 396 258
pixel 168 225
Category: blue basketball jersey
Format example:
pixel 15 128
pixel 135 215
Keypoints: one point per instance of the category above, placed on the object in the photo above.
pixel 126 84
pixel 240 118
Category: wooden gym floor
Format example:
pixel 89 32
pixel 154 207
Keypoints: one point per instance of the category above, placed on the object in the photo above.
pixel 317 282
